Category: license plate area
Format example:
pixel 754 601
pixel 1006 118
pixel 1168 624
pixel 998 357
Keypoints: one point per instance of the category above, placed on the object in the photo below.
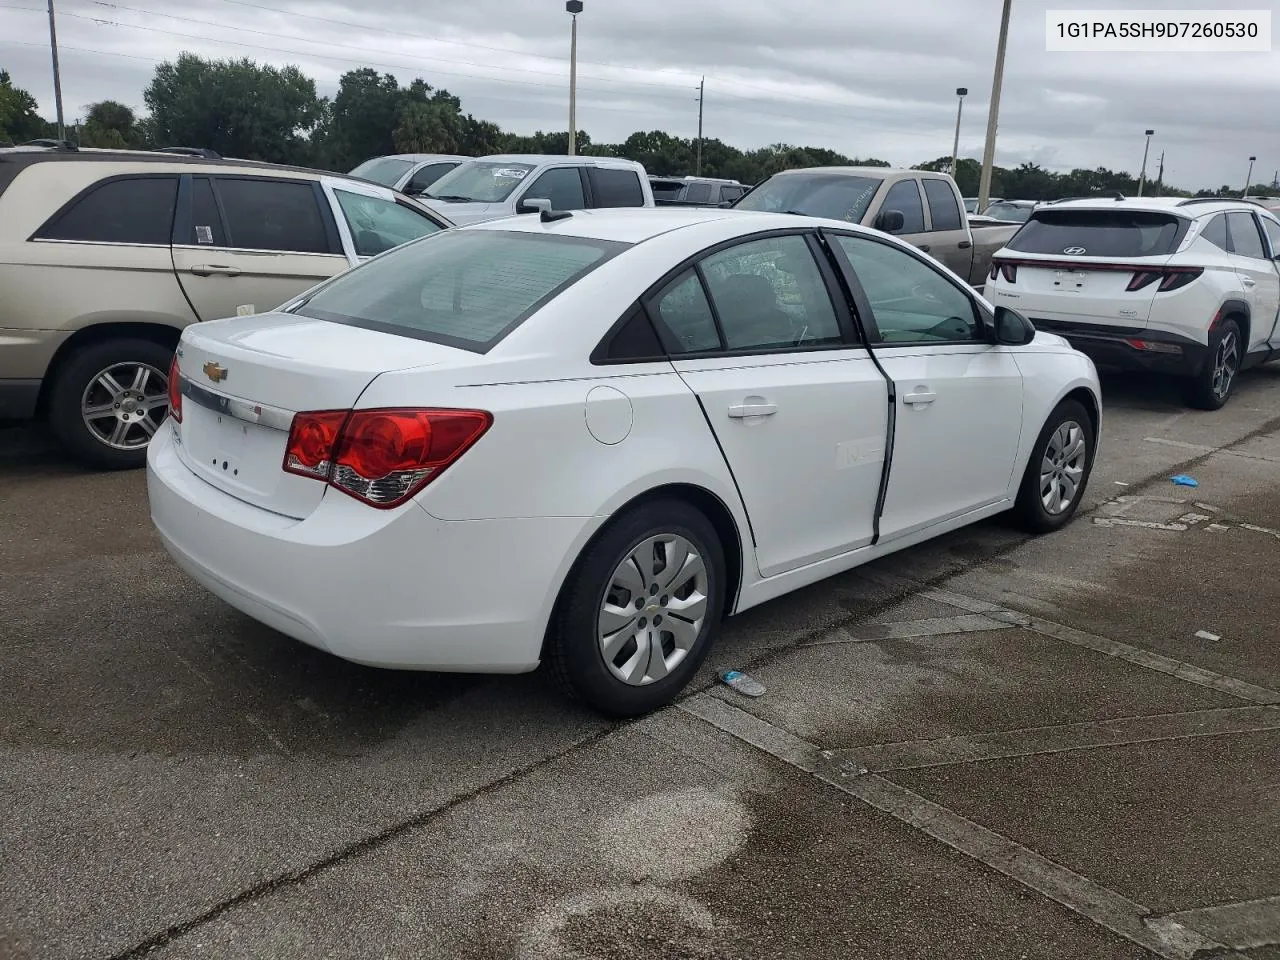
pixel 1070 281
pixel 232 453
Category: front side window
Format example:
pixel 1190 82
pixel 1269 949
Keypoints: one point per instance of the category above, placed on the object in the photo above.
pixel 489 181
pixel 730 193
pixel 1244 236
pixel 560 185
pixel 769 294
pixel 132 210
pixel 427 175
pixel 281 215
pixel 1273 235
pixel 910 301
pixel 464 289
pixel 904 196
pixel 698 193
pixel 832 196
pixel 943 209
pixel 378 225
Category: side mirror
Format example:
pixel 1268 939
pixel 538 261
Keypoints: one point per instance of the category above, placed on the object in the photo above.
pixel 533 205
pixel 1012 328
pixel 890 221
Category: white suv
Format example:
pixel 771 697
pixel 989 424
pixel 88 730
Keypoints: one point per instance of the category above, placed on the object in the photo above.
pixel 1184 287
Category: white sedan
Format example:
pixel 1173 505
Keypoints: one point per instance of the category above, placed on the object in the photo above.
pixel 586 438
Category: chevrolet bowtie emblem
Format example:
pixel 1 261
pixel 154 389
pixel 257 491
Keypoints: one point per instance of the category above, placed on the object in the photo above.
pixel 214 371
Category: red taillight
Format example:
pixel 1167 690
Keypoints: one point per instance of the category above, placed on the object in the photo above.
pixel 1007 270
pixel 1170 278
pixel 381 457
pixel 175 390
pixel 312 438
pixel 1144 278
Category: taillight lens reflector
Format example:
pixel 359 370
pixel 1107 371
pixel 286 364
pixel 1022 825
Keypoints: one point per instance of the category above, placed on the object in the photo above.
pixel 1009 271
pixel 175 390
pixel 1169 278
pixel 381 457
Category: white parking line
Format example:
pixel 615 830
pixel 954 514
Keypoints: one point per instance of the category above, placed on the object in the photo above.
pixel 1166 938
pixel 905 629
pixel 1243 926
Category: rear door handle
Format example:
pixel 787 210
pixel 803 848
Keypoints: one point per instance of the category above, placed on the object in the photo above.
pixel 1248 283
pixel 209 269
pixel 965 244
pixel 740 411
pixel 920 398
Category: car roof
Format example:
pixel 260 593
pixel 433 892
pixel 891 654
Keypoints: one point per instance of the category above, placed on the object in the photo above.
pixel 541 158
pixel 417 157
pixel 1018 203
pixel 859 171
pixel 24 157
pixel 634 225
pixel 1189 208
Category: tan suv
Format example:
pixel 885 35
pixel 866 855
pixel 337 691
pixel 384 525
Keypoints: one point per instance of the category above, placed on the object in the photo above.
pixel 106 255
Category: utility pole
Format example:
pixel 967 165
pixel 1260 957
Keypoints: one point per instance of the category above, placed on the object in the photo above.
pixel 1248 178
pixel 993 112
pixel 1160 176
pixel 57 74
pixel 961 92
pixel 573 7
pixel 702 89
pixel 1142 177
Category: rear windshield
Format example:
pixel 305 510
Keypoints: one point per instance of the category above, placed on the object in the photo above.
pixel 834 196
pixel 666 189
pixel 383 170
pixel 463 289
pixel 1100 233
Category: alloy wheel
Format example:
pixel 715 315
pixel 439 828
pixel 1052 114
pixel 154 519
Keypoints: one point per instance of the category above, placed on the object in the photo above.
pixel 1225 363
pixel 124 404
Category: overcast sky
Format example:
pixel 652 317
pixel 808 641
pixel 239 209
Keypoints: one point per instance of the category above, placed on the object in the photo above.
pixel 864 77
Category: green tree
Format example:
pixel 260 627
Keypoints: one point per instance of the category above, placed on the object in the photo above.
pixel 110 124
pixel 235 107
pixel 19 120
pixel 363 119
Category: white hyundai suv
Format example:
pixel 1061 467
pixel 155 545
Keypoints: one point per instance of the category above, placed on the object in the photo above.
pixel 1188 288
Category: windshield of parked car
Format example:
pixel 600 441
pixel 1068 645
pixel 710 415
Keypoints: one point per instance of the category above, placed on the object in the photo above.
pixel 466 289
pixel 383 170
pixel 1012 212
pixel 1099 233
pixel 479 181
pixel 831 195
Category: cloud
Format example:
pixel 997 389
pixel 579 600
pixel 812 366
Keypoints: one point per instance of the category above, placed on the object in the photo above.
pixel 864 79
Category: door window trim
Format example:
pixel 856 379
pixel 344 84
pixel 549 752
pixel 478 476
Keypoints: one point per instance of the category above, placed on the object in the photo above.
pixel 849 329
pixel 863 302
pixel 95 186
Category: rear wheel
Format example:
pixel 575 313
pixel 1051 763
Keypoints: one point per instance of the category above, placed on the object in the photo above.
pixel 1058 471
pixel 1211 387
pixel 108 400
pixel 640 611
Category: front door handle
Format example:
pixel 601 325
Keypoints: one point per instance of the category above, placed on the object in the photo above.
pixel 209 269
pixel 756 408
pixel 920 398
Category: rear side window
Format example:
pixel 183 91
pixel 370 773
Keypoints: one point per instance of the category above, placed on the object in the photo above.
pixel 942 205
pixel 616 188
pixel 904 196
pixel 1100 233
pixel 1215 231
pixel 279 215
pixel 466 289
pixel 1273 235
pixel 1244 236
pixel 682 307
pixel 206 220
pixel 698 193
pixel 132 210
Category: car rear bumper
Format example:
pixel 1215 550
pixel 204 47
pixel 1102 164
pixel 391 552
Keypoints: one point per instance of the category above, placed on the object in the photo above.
pixel 394 588
pixel 1156 351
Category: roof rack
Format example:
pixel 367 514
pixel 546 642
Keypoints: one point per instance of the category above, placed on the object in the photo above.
pixel 204 152
pixel 1191 200
pixel 52 144
pixel 1113 194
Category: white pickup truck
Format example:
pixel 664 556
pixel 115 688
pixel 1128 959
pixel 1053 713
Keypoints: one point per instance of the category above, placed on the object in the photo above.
pixel 923 208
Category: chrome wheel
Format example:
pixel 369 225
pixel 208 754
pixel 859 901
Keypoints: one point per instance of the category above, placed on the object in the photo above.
pixel 1062 467
pixel 653 609
pixel 125 404
pixel 1225 363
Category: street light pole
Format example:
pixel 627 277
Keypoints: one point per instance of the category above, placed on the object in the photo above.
pixel 573 7
pixel 961 92
pixel 993 112
pixel 1142 177
pixel 57 74
pixel 1248 178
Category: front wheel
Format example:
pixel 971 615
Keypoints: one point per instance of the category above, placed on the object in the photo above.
pixel 1211 387
pixel 1058 470
pixel 640 611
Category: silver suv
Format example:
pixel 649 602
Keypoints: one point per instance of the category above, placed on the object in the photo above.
pixel 106 255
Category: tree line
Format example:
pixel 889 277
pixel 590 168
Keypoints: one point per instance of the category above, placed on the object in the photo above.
pixel 253 111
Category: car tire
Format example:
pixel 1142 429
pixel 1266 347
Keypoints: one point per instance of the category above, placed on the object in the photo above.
pixel 1055 462
pixel 87 384
pixel 1207 389
pixel 593 647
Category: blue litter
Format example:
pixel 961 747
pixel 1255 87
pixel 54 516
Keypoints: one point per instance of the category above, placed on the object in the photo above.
pixel 1183 480
pixel 748 686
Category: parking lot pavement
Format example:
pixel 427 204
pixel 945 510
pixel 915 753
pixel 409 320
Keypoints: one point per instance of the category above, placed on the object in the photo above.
pixel 988 746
